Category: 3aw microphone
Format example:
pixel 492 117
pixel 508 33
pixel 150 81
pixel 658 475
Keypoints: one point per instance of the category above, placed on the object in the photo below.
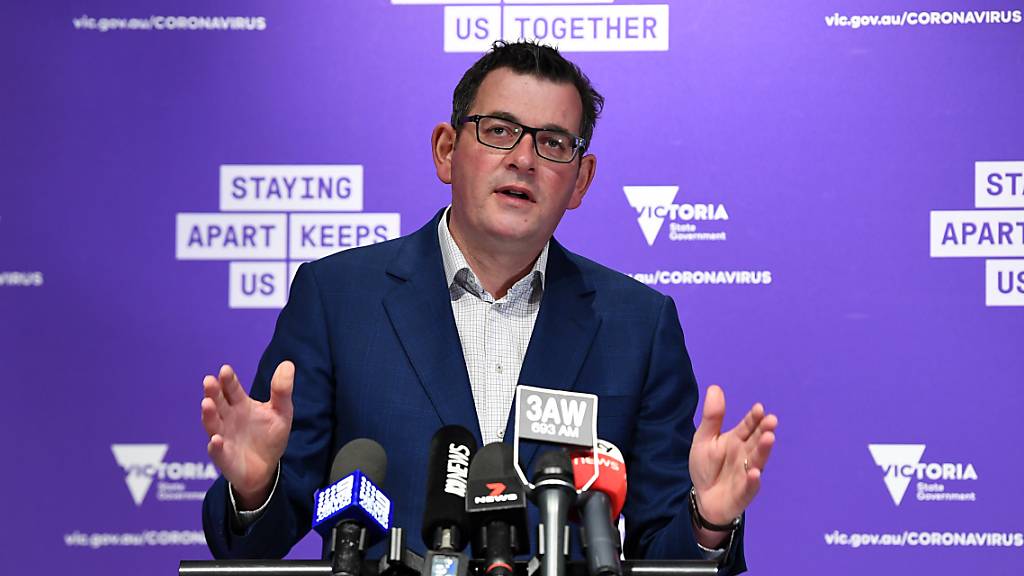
pixel 445 520
pixel 496 503
pixel 554 493
pixel 352 510
pixel 600 507
pixel 557 417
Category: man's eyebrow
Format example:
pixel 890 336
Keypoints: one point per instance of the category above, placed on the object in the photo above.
pixel 510 116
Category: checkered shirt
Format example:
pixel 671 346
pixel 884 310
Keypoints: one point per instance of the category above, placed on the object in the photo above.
pixel 494 333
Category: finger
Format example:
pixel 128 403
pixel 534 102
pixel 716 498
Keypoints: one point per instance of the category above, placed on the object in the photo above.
pixel 211 418
pixel 215 448
pixel 758 459
pixel 713 414
pixel 752 486
pixel 745 429
pixel 233 391
pixel 767 424
pixel 214 391
pixel 281 388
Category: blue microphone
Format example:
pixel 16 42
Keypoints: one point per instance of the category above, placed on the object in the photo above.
pixel 352 511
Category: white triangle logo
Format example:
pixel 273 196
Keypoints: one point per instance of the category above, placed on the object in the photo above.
pixel 139 462
pixel 892 458
pixel 645 199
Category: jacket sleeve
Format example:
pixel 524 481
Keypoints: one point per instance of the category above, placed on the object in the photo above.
pixel 302 336
pixel 658 522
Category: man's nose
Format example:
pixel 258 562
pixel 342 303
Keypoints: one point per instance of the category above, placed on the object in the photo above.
pixel 524 155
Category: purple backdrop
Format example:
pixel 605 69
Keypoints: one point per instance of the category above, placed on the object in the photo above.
pixel 811 182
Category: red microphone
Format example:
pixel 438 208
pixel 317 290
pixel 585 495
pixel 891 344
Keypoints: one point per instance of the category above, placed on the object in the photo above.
pixel 600 506
pixel 612 477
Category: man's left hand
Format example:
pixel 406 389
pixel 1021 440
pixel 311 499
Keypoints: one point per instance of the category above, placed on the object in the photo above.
pixel 726 467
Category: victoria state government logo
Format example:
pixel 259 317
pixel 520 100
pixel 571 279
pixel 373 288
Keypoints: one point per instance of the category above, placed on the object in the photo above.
pixel 688 222
pixel 901 464
pixel 144 463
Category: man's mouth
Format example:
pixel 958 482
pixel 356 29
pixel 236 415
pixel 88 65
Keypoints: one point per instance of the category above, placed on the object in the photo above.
pixel 515 192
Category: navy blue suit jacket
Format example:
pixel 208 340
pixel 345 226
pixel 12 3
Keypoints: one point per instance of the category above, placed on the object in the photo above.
pixel 377 355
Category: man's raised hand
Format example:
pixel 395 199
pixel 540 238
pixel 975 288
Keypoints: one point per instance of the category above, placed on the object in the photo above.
pixel 726 467
pixel 247 437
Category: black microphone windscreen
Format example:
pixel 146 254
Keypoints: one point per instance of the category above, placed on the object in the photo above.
pixel 492 461
pixel 451 451
pixel 496 502
pixel 552 465
pixel 361 454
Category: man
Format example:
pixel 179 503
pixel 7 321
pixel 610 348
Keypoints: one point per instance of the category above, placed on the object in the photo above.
pixel 394 340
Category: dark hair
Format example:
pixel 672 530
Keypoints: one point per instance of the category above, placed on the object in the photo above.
pixel 534 59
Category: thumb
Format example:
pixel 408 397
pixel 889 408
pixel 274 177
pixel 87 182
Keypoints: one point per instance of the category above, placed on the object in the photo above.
pixel 713 414
pixel 281 388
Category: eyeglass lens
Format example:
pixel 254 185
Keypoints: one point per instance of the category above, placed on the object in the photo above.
pixel 550 144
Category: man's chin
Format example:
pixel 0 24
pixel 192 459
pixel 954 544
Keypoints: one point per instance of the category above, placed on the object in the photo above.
pixel 517 233
pixel 507 234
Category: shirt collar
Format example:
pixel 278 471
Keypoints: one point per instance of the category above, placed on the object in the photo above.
pixel 460 276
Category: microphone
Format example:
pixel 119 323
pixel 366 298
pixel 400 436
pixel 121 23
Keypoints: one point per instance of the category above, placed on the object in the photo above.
pixel 554 493
pixel 496 503
pixel 352 511
pixel 445 520
pixel 601 505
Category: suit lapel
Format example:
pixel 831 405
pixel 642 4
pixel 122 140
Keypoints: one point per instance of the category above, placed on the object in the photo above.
pixel 562 336
pixel 420 312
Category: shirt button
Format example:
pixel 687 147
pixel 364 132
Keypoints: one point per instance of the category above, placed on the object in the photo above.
pixel 501 434
pixel 497 368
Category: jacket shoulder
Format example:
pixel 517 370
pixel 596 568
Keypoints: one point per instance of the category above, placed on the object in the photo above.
pixel 612 284
pixel 356 266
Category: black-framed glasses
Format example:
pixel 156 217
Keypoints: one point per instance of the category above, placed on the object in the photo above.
pixel 504 134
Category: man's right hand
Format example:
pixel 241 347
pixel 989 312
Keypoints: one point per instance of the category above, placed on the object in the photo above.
pixel 248 437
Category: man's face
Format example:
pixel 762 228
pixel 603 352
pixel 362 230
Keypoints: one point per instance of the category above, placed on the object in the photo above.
pixel 504 199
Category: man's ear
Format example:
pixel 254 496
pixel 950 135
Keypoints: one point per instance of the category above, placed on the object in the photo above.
pixel 588 167
pixel 442 145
